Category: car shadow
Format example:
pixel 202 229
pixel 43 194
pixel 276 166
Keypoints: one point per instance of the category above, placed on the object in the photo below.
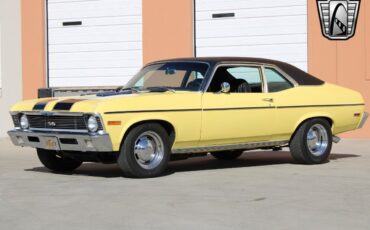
pixel 249 159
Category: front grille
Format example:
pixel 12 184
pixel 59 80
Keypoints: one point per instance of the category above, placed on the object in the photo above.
pixel 57 122
pixel 16 120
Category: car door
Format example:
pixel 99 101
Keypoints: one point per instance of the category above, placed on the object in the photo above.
pixel 282 89
pixel 245 114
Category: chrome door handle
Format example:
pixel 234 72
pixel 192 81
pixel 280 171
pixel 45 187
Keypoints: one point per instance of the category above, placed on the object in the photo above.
pixel 268 99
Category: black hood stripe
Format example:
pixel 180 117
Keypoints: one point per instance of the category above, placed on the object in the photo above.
pixel 42 104
pixel 66 105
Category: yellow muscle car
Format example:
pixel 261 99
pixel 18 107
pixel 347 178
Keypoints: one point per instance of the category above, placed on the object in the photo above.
pixel 189 107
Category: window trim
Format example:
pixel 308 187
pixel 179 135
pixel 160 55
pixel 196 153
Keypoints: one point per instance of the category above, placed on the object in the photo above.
pixel 259 66
pixel 282 73
pixel 177 61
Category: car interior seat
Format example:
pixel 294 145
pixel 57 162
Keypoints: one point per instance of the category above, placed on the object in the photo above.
pixel 243 86
pixel 222 76
pixel 194 85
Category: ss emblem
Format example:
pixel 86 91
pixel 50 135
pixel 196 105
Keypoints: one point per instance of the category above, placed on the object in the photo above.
pixel 51 124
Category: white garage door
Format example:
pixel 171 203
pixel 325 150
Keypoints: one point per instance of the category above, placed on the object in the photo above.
pixel 275 29
pixel 93 42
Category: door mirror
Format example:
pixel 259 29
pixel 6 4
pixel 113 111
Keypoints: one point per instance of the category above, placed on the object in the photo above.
pixel 225 87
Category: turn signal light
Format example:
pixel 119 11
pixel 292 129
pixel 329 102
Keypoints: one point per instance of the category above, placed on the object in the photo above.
pixel 114 122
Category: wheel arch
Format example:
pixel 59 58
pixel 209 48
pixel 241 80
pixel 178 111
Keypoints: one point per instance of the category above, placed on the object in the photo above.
pixel 168 126
pixel 310 117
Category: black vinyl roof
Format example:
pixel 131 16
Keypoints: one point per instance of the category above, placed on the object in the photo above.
pixel 300 76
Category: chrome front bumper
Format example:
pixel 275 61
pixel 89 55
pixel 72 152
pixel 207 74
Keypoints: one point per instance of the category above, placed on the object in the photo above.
pixel 364 118
pixel 62 141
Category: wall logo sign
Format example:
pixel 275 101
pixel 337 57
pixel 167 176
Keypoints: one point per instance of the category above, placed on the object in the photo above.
pixel 338 18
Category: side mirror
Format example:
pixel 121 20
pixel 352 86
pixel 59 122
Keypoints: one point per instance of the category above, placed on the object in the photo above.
pixel 225 87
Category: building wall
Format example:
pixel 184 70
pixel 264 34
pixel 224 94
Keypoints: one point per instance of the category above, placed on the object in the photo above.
pixel 167 29
pixel 168 32
pixel 11 67
pixel 33 47
pixel 345 63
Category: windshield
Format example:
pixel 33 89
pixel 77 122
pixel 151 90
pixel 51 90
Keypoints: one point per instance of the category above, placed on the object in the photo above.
pixel 172 75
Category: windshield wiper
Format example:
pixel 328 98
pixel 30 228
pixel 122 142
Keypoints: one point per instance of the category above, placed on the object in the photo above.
pixel 133 89
pixel 160 89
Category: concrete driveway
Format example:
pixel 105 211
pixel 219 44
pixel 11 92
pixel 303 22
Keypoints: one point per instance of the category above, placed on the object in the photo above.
pixel 262 190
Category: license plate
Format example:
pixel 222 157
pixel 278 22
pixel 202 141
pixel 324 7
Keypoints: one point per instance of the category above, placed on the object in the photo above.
pixel 51 143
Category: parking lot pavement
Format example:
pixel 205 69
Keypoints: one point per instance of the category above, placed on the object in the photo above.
pixel 262 190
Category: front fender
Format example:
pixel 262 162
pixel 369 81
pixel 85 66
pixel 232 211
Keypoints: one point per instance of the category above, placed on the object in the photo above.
pixel 118 132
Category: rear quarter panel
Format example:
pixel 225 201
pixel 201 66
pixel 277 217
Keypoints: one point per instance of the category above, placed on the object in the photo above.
pixel 296 105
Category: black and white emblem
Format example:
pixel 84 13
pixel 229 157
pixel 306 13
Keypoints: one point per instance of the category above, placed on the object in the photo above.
pixel 338 18
pixel 51 124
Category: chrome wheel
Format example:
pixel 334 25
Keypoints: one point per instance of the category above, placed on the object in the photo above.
pixel 317 140
pixel 149 150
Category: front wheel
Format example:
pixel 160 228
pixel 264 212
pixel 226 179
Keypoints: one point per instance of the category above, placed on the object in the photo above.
pixel 145 151
pixel 312 142
pixel 56 163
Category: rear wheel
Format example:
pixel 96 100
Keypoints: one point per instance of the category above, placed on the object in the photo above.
pixel 56 163
pixel 312 142
pixel 145 152
pixel 227 155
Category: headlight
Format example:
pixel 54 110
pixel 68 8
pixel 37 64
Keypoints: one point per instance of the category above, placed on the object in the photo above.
pixel 24 122
pixel 92 124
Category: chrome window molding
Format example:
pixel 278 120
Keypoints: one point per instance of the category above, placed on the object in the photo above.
pixel 280 71
pixel 235 64
pixel 265 83
pixel 174 61
pixel 241 146
pixel 252 64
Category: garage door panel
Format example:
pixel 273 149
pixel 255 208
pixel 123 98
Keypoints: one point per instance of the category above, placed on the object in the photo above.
pixel 95 34
pixel 292 57
pixel 93 72
pixel 252 40
pixel 105 81
pixel 93 47
pixel 95 60
pixel 254 13
pixel 88 22
pixel 210 5
pixel 251 27
pixel 105 49
pixel 88 9
pixel 274 29
pixel 289 51
pixel 282 52
pixel 64 1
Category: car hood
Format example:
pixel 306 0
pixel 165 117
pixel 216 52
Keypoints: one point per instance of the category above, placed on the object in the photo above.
pixel 112 102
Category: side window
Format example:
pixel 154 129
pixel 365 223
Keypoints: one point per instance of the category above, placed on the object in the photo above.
pixel 275 81
pixel 194 81
pixel 242 79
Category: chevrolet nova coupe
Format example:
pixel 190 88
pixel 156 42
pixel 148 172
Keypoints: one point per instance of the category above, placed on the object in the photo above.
pixel 175 109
